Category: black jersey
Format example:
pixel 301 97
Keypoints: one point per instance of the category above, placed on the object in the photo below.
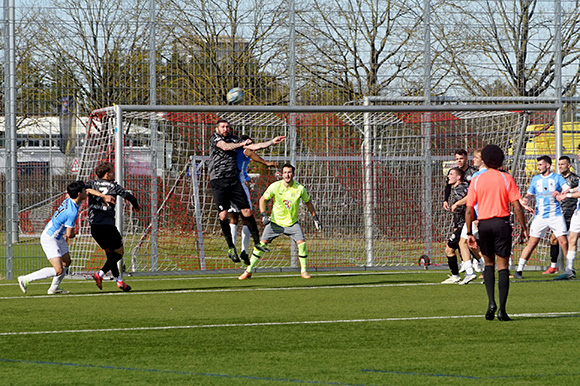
pixel 99 212
pixel 568 205
pixel 456 194
pixel 222 164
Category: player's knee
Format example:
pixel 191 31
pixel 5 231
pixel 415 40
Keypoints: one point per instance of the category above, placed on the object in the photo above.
pixel 246 212
pixel 223 215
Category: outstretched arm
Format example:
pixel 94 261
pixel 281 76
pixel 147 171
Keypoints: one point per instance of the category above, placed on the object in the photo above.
pixel 263 145
pixel 255 157
pixel 105 197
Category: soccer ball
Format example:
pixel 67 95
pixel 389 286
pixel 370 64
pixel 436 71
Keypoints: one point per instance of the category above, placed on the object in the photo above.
pixel 235 95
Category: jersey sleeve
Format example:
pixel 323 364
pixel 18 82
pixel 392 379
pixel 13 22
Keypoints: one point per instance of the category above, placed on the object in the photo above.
pixel 269 193
pixel 472 193
pixel 563 183
pixel 513 191
pixel 71 217
pixel 304 195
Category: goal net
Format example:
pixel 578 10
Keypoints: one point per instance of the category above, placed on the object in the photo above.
pixel 376 180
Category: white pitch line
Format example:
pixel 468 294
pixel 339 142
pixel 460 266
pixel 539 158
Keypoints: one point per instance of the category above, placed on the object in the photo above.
pixel 266 324
pixel 136 293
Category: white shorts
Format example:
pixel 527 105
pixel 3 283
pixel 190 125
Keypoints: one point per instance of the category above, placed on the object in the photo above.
pixel 52 247
pixel 473 230
pixel 540 226
pixel 233 207
pixel 575 222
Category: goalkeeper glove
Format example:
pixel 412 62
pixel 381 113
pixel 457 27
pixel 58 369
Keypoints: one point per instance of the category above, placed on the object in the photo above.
pixel 265 218
pixel 317 223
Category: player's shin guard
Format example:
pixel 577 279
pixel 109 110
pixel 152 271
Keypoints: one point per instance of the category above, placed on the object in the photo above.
pixel 489 279
pixel 250 221
pixel 225 225
pixel 302 255
pixel 256 254
pixel 570 257
pixel 503 285
pixel 554 252
pixel 452 261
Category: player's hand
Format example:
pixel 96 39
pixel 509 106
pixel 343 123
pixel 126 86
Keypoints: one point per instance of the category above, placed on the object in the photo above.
pixel 109 199
pixel 271 164
pixel 453 207
pixel 278 139
pixel 471 242
pixel 317 223
pixel 265 218
pixel 137 208
pixel 446 205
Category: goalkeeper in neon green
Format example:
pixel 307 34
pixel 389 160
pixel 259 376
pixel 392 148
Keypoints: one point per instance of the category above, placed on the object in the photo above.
pixel 286 195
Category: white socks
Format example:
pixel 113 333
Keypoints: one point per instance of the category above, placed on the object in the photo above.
pixel 570 261
pixel 521 265
pixel 468 266
pixel 245 236
pixel 43 273
pixel 58 279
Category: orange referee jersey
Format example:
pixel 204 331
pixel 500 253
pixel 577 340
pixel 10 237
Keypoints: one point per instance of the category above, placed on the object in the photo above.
pixel 492 191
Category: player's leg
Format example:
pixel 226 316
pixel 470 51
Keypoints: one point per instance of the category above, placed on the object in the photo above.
pixel 554 252
pixel 51 250
pixel 487 246
pixel 270 233
pixel 65 262
pixel 538 229
pixel 234 214
pixel 572 248
pixel 244 254
pixel 503 249
pixel 295 232
pixel 221 194
pixel 450 248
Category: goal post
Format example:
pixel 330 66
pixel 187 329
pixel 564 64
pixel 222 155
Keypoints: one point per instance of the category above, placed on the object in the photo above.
pixel 374 175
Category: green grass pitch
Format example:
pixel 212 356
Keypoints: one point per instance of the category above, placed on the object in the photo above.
pixel 338 328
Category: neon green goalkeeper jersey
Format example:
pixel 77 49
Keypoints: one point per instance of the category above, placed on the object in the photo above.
pixel 286 202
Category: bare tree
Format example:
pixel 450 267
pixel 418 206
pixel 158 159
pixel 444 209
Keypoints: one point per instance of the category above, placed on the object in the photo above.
pixel 505 46
pixel 95 50
pixel 218 45
pixel 359 47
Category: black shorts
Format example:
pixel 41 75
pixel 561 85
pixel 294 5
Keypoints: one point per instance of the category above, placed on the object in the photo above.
pixel 229 190
pixel 495 237
pixel 453 241
pixel 107 236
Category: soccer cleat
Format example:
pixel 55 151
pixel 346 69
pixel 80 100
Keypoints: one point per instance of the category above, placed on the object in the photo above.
pixel 305 275
pixel 124 286
pixel 550 271
pixel 468 278
pixel 453 279
pixel 245 275
pixel 518 275
pixel 57 291
pixel 245 258
pixel 98 280
pixel 262 247
pixel 490 313
pixel 566 276
pixel 476 266
pixel 23 284
pixel 233 254
pixel 502 316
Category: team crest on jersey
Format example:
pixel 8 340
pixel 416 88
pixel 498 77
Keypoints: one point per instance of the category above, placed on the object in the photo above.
pixel 288 204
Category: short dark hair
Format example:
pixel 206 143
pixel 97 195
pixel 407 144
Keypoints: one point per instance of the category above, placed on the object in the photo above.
pixel 458 171
pixel 289 165
pixel 565 158
pixel 462 152
pixel 75 188
pixel 221 120
pixel 545 158
pixel 104 168
pixel 492 156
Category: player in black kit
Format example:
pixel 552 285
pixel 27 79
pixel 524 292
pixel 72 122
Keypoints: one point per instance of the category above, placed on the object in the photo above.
pixel 102 198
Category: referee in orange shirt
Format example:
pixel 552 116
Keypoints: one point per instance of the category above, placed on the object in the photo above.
pixel 491 192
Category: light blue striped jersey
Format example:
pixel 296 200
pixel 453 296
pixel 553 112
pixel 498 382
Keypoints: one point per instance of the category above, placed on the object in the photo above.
pixel 243 162
pixel 65 217
pixel 543 187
